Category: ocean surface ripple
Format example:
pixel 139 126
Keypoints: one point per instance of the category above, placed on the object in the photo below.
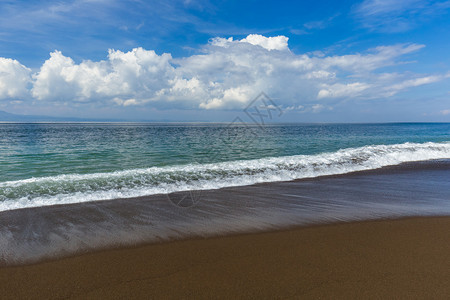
pixel 74 188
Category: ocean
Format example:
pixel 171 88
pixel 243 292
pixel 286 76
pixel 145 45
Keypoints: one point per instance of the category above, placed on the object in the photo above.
pixel 71 188
pixel 47 164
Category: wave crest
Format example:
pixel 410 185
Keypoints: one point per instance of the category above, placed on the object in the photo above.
pixel 75 188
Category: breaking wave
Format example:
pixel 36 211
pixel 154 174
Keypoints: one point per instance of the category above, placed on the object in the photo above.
pixel 76 188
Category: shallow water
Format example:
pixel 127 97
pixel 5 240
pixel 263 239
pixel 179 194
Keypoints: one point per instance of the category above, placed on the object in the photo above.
pixel 46 164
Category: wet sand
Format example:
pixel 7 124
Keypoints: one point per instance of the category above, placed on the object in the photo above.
pixel 259 241
pixel 407 258
pixel 50 232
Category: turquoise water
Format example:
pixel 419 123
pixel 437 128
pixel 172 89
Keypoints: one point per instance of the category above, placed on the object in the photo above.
pixel 43 164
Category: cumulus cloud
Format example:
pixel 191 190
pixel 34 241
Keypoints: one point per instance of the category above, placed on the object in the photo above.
pixel 226 74
pixel 270 43
pixel 135 74
pixel 14 79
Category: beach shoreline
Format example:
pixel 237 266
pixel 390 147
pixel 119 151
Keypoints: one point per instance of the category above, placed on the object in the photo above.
pixel 371 234
pixel 45 233
pixel 407 257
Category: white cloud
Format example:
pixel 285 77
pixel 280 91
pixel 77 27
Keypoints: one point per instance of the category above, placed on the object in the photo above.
pixel 339 90
pixel 378 7
pixel 51 82
pixel 320 74
pixel 135 74
pixel 414 82
pixel 227 74
pixel 14 79
pixel 270 43
pixel 295 108
pixel 381 56
pixel 221 42
pixel 317 108
pixel 398 15
pixel 445 112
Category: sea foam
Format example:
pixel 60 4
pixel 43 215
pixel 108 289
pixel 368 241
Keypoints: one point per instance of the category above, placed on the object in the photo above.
pixel 74 188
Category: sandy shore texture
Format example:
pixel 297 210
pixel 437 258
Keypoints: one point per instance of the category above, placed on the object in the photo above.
pixel 406 258
pixel 49 232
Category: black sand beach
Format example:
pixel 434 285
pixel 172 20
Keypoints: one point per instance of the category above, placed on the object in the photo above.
pixel 134 252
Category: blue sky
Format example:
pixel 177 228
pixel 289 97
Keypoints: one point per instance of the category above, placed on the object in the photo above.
pixel 320 61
